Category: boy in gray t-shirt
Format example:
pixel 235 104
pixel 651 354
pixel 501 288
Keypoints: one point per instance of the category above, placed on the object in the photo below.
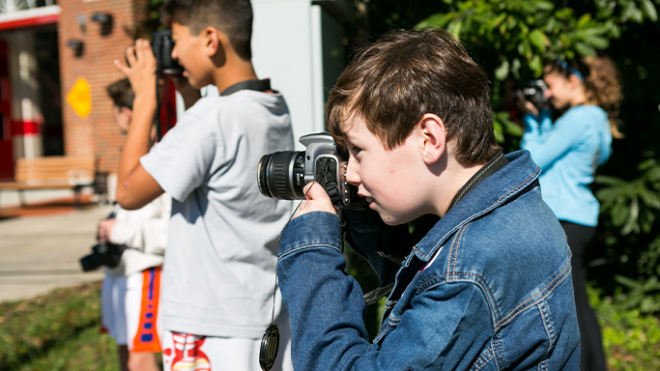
pixel 219 270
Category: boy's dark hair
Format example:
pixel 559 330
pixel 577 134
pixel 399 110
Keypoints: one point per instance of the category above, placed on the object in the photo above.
pixel 392 83
pixel 232 17
pixel 121 93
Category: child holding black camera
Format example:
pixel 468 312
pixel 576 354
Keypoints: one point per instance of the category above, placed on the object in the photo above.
pixel 489 285
pixel 217 292
pixel 131 290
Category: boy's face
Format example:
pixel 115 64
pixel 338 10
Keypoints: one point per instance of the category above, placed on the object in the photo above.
pixel 189 50
pixel 122 116
pixel 387 178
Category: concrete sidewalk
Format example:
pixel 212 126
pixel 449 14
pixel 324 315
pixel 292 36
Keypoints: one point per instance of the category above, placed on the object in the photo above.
pixel 38 254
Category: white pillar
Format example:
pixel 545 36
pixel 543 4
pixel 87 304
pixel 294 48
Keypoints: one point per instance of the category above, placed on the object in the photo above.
pixel 25 112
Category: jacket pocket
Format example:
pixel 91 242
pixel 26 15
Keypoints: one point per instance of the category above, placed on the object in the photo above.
pixel 486 362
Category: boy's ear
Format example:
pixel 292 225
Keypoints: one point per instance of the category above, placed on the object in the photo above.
pixel 433 134
pixel 214 40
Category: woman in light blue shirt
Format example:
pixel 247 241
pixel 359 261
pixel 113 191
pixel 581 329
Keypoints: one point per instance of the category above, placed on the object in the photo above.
pixel 568 152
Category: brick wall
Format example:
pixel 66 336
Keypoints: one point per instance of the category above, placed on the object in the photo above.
pixel 95 134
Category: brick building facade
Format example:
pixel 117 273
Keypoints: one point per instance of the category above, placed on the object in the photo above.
pixel 45 48
pixel 95 134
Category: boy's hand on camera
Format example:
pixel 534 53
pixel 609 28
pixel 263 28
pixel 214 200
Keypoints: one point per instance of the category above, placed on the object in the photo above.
pixel 105 229
pixel 317 200
pixel 141 68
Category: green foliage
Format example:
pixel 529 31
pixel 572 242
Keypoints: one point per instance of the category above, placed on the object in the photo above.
pixel 632 207
pixel 526 32
pixel 56 331
pixel 631 339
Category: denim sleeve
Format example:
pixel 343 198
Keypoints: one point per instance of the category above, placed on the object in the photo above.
pixel 327 311
pixel 547 145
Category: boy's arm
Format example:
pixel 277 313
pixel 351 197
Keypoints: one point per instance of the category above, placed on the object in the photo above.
pixel 327 307
pixel 136 187
pixel 446 328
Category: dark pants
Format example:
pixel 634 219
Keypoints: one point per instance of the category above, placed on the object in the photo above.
pixel 593 357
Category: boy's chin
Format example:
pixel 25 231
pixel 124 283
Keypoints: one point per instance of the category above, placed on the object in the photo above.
pixel 393 220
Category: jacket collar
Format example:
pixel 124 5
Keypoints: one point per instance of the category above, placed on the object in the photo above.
pixel 492 192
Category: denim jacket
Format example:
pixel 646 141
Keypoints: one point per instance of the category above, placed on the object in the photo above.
pixel 487 288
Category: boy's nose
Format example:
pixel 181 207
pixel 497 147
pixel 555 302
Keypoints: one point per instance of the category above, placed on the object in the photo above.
pixel 352 176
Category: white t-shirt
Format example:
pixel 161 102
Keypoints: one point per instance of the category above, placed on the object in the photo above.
pixel 219 269
pixel 144 232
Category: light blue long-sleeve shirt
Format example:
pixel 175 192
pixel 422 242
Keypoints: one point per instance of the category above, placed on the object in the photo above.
pixel 568 153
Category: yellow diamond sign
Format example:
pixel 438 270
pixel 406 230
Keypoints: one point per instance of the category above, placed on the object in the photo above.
pixel 80 97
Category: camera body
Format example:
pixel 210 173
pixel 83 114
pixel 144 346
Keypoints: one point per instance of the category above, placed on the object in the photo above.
pixel 283 175
pixel 162 48
pixel 534 92
pixel 103 253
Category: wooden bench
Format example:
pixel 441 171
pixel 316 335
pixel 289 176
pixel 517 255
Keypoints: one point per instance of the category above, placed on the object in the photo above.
pixel 52 173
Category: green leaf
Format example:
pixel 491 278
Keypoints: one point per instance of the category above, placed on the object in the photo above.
pixel 500 18
pixel 585 50
pixel 649 10
pixel 515 68
pixel 436 20
pixel 583 21
pixel 455 29
pixel 502 71
pixel 536 65
pixel 525 49
pixel 620 213
pixel 628 11
pixel 598 42
pixel 544 5
pixel 539 39
pixel 609 180
pixel 497 127
pixel 628 282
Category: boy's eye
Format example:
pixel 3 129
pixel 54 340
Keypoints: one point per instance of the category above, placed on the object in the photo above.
pixel 355 150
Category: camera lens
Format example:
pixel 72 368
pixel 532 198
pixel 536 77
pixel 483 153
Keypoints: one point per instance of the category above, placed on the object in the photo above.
pixel 280 175
pixel 90 262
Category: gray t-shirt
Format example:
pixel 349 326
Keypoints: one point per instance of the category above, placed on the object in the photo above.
pixel 219 269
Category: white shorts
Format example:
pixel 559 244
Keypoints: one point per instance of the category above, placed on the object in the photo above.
pixel 213 353
pixel 129 308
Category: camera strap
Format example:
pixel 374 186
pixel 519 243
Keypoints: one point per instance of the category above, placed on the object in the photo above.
pixel 256 85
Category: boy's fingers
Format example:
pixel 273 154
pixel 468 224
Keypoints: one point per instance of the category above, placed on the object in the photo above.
pixel 145 54
pixel 122 67
pixel 314 191
pixel 143 50
pixel 130 56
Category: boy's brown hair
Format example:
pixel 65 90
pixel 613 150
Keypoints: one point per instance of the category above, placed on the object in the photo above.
pixel 232 17
pixel 121 93
pixel 392 83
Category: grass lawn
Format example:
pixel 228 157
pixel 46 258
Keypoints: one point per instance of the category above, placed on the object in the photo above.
pixel 60 331
pixel 56 331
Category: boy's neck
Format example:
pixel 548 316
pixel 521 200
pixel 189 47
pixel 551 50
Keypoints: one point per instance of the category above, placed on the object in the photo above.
pixel 233 72
pixel 457 175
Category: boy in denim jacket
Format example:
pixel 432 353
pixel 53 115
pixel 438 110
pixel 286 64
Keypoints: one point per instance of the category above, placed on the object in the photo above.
pixel 489 285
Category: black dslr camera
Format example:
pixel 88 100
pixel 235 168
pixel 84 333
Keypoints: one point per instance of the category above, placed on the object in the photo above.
pixel 103 253
pixel 283 175
pixel 162 48
pixel 534 92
